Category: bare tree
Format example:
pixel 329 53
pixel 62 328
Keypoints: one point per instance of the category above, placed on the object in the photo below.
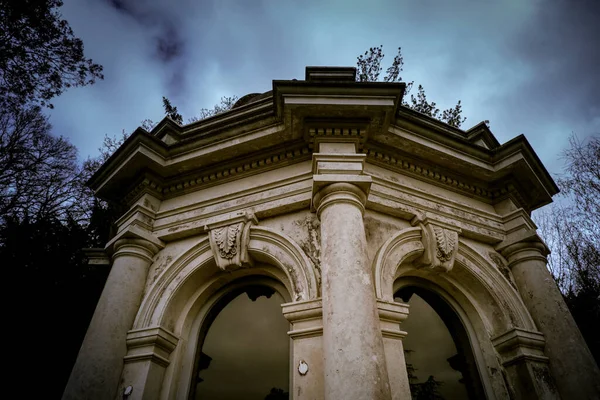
pixel 225 104
pixel 39 173
pixel 571 229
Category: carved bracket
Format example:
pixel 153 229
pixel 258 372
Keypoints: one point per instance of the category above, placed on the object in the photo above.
pixel 229 241
pixel 440 241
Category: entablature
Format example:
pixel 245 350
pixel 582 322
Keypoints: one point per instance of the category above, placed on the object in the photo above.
pixel 276 129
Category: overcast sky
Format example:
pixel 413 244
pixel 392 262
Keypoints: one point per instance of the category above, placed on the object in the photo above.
pixel 527 66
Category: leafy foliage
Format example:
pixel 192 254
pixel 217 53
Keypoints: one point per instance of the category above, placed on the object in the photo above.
pixel 39 55
pixel 369 69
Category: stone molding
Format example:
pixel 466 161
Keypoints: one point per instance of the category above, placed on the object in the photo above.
pixel 440 241
pixel 404 245
pixel 218 176
pixel 154 344
pixel 306 318
pixel 341 192
pixel 229 241
pixel 134 233
pixel 132 247
pixel 338 164
pixel 519 345
pixel 97 256
pixel 338 177
pixel 356 134
pixel 523 246
pixel 391 314
pixel 378 156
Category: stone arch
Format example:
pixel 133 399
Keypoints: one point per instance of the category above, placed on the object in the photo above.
pixel 480 295
pixel 194 276
pixel 185 291
pixel 474 280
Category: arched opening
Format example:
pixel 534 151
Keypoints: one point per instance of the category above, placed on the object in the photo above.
pixel 243 347
pixel 440 362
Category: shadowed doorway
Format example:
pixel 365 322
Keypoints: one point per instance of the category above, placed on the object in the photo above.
pixel 244 348
pixel 439 359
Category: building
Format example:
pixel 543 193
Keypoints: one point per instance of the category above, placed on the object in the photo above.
pixel 328 196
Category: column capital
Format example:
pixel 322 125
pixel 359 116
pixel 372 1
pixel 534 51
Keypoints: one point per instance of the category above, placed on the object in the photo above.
pixel 134 247
pixel 338 176
pixel 525 246
pixel 134 236
pixel 339 192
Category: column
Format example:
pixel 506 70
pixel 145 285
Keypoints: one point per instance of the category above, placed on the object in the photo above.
pixel 99 364
pixel 572 365
pixel 354 358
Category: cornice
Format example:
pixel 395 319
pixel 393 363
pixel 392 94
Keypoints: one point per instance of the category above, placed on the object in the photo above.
pixel 216 123
pixel 217 175
pixel 488 193
pixel 428 173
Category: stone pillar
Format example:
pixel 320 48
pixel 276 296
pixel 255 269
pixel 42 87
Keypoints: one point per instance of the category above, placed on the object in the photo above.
pixel 390 316
pixel 147 358
pixel 306 332
pixel 354 358
pixel 571 363
pixel 100 361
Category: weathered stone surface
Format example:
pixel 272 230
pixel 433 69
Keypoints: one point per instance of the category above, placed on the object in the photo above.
pixel 571 363
pixel 355 198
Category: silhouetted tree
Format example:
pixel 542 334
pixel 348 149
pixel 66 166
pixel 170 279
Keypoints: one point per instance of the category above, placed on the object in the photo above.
pixel 369 70
pixel 427 390
pixel 39 173
pixel 54 291
pixel 571 229
pixel 171 111
pixel 225 104
pixel 39 55
pixel 277 394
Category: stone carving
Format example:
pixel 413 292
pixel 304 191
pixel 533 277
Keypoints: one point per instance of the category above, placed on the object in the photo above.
pixel 229 241
pixel 226 239
pixel 446 243
pixel 440 243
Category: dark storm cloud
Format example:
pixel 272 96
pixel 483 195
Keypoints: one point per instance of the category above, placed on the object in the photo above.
pixel 527 66
pixel 561 44
pixel 161 23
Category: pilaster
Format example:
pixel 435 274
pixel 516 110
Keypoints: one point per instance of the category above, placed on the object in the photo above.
pixel 148 352
pixel 306 319
pixel 391 315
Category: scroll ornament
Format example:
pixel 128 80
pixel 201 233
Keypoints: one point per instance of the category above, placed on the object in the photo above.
pixel 441 245
pixel 229 242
